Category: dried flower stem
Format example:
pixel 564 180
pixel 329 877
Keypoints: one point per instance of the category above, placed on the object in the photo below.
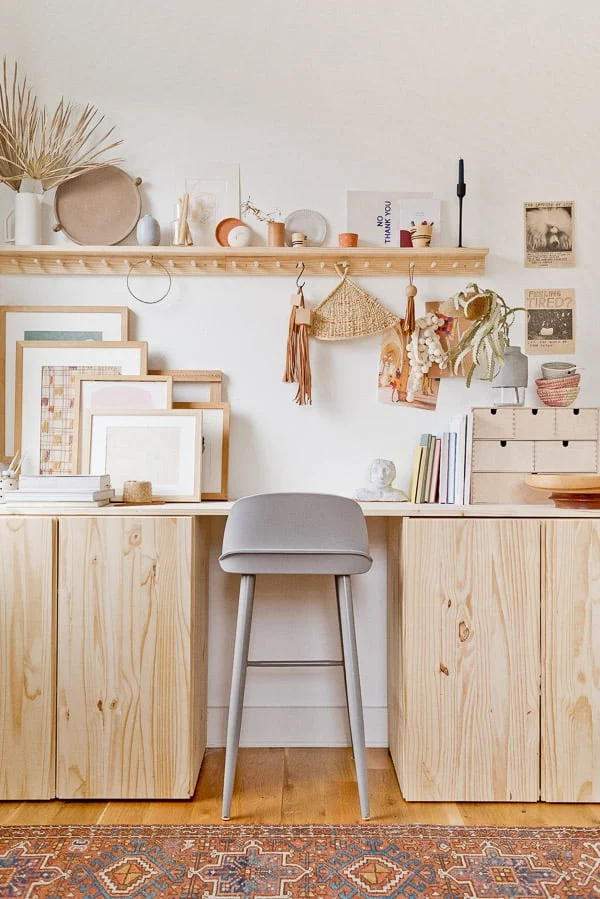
pixel 45 148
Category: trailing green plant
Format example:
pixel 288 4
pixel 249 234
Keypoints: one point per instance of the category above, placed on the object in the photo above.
pixel 50 148
pixel 488 336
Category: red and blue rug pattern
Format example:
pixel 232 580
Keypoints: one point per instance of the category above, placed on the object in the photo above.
pixel 299 862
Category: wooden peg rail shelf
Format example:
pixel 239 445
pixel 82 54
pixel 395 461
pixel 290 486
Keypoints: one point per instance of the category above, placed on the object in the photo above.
pixel 59 260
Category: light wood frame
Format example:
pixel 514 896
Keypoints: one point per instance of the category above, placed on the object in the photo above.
pixel 214 377
pixel 6 376
pixel 167 379
pixel 72 346
pixel 223 491
pixel 87 436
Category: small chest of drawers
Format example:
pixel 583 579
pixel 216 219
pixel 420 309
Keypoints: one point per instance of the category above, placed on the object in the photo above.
pixel 510 442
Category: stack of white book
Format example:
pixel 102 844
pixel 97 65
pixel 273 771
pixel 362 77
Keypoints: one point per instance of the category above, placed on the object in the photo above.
pixel 74 490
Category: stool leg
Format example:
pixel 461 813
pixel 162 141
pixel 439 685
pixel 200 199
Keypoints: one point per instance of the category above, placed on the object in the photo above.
pixel 353 695
pixel 238 684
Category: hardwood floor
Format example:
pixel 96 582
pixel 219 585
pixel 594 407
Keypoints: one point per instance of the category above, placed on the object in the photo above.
pixel 297 786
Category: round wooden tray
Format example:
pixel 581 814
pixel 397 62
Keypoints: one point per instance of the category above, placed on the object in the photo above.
pixel 100 207
pixel 569 491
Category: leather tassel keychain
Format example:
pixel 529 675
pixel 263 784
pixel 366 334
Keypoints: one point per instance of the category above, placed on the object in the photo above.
pixel 297 363
pixel 408 322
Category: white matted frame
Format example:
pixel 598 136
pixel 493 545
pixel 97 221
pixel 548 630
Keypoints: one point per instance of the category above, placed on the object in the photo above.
pixel 131 357
pixel 164 448
pixel 215 448
pixel 48 323
pixel 141 392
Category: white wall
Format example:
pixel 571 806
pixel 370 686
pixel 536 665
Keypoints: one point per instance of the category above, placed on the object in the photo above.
pixel 313 98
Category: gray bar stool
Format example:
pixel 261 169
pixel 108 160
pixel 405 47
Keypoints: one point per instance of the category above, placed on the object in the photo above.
pixel 296 533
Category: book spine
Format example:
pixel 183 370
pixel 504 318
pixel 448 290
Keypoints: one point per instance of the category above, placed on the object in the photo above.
pixel 435 473
pixel 415 473
pixel 444 468
pixel 451 465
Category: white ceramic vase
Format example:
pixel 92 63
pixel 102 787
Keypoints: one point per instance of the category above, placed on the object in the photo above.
pixel 23 224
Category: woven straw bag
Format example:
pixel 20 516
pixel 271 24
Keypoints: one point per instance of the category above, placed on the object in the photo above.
pixel 348 312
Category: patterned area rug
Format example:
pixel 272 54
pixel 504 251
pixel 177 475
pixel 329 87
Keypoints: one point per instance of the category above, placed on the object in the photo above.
pixel 271 862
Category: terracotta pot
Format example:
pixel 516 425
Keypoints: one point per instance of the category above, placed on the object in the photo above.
pixel 348 239
pixel 275 234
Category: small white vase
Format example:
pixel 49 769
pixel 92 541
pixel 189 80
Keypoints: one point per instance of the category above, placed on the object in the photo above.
pixel 23 224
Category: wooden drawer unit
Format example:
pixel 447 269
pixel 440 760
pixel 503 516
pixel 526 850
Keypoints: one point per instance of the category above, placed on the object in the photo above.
pixel 503 455
pixel 511 442
pixel 565 455
pixel 576 424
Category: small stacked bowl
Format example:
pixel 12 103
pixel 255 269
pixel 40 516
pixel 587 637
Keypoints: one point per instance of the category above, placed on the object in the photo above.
pixel 559 384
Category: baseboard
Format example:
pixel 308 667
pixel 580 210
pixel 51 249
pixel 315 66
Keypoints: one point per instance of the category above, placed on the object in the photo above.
pixel 272 726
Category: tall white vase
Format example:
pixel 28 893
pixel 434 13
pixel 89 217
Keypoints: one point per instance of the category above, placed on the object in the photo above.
pixel 24 222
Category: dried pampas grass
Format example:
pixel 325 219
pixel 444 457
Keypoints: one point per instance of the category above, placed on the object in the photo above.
pixel 45 148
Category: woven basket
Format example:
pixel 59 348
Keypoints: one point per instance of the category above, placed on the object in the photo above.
pixel 558 383
pixel 349 312
pixel 562 396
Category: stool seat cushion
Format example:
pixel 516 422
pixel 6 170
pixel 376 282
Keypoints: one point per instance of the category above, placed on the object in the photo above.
pixel 296 533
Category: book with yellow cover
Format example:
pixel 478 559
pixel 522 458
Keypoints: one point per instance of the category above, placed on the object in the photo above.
pixel 419 450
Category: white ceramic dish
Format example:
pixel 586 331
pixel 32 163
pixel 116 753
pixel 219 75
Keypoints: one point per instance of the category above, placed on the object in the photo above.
pixel 557 369
pixel 308 222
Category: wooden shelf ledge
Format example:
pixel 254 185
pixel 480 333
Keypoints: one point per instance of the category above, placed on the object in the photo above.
pixel 59 260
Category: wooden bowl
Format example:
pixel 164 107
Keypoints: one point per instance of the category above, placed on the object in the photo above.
pixel 568 491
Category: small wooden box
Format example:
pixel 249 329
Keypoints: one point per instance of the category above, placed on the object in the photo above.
pixel 565 455
pixel 503 455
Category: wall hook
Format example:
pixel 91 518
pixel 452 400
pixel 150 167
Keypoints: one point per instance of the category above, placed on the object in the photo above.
pixel 300 273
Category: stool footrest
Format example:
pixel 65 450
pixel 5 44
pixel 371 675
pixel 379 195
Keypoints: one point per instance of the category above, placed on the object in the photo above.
pixel 300 663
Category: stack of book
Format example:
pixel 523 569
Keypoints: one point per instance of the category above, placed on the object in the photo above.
pixel 73 490
pixel 442 465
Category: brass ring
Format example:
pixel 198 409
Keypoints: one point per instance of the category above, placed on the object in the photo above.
pixel 153 262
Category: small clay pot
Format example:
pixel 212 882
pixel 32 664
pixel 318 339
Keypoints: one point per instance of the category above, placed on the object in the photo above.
pixel 348 239
pixel 137 493
pixel 421 235
pixel 276 234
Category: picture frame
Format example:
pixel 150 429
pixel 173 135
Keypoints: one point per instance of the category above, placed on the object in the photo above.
pixel 549 234
pixel 118 392
pixel 187 376
pixel 215 448
pixel 214 195
pixel 48 323
pixel 146 446
pixel 38 360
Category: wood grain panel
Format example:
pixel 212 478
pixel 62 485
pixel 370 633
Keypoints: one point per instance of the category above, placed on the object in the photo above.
pixel 394 631
pixel 571 662
pixel 470 660
pixel 27 654
pixel 128 614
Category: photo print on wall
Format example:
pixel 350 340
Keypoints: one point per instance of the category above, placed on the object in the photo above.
pixel 549 235
pixel 550 321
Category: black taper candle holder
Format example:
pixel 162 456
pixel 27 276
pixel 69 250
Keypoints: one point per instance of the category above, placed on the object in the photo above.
pixel 461 190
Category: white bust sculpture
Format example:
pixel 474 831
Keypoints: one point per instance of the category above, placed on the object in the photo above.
pixel 380 476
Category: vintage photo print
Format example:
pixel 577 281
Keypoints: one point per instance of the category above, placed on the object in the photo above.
pixel 394 370
pixel 550 321
pixel 549 235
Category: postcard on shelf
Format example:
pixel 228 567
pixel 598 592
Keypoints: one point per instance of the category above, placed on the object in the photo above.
pixel 550 321
pixel 417 211
pixel 214 195
pixel 375 215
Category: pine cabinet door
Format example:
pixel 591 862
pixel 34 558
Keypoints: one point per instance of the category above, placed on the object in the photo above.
pixel 27 657
pixel 466 614
pixel 132 656
pixel 571 662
